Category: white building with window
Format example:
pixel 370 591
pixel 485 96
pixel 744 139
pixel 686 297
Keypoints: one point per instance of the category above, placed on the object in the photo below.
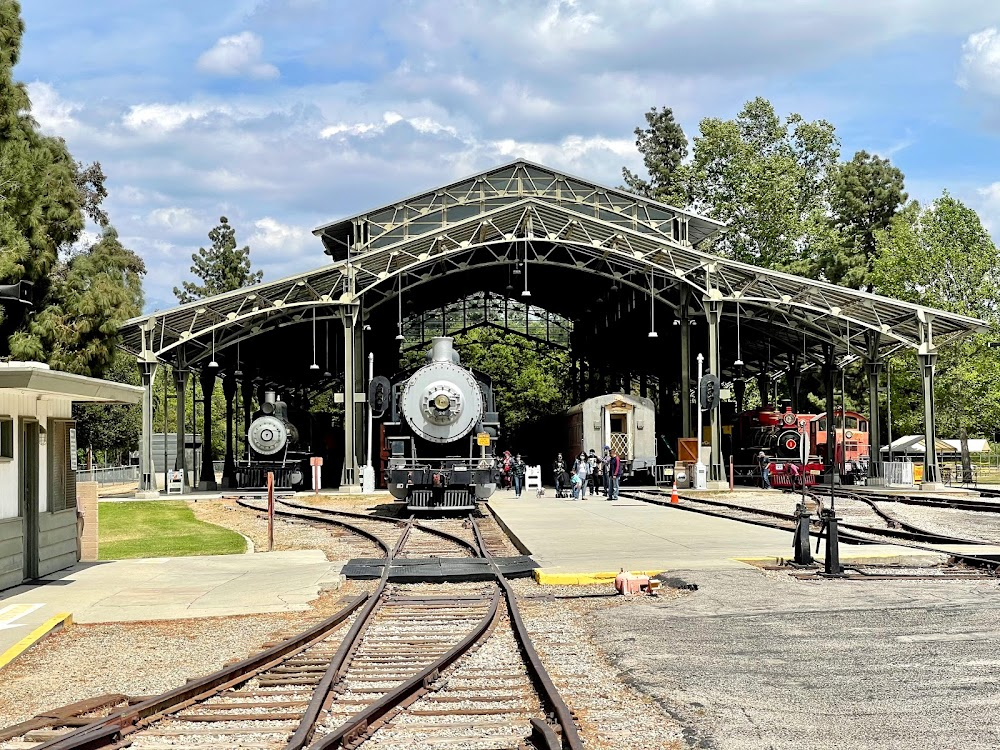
pixel 38 462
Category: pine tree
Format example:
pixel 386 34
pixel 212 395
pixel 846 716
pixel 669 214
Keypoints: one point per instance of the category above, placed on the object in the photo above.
pixel 92 294
pixel 80 297
pixel 866 193
pixel 222 267
pixel 39 200
pixel 664 147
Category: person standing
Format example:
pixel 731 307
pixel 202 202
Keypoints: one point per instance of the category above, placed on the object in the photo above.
pixel 614 475
pixel 592 462
pixel 765 474
pixel 582 469
pixel 517 471
pixel 606 463
pixel 559 473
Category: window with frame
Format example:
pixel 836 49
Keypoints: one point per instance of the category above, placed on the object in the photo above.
pixel 62 477
pixel 6 438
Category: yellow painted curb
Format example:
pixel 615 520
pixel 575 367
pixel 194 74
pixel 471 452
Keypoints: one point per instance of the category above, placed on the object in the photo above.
pixel 582 579
pixel 49 626
pixel 761 560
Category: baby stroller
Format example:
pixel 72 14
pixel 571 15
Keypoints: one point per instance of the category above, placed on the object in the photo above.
pixel 565 488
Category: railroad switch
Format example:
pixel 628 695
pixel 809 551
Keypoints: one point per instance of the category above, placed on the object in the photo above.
pixel 831 564
pixel 800 542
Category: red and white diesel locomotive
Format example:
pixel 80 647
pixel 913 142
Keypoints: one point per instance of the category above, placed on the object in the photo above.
pixel 779 433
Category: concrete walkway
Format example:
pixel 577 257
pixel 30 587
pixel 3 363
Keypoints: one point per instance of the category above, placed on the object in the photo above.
pixel 168 589
pixel 594 535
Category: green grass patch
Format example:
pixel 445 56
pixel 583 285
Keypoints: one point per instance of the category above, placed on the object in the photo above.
pixel 161 528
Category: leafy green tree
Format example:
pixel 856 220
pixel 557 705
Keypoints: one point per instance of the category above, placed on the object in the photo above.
pixel 941 256
pixel 111 429
pixel 92 294
pixel 80 297
pixel 866 193
pixel 768 179
pixel 221 267
pixel 39 199
pixel 664 147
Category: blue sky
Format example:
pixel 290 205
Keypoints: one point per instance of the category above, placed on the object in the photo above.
pixel 285 114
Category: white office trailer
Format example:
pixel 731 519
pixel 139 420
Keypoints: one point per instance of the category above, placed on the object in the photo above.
pixel 38 464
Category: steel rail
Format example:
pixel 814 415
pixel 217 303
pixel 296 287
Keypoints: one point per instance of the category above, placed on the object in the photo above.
pixel 464 543
pixel 912 533
pixel 307 724
pixel 302 516
pixel 942 503
pixel 357 725
pixel 974 560
pixel 110 729
pixel 570 735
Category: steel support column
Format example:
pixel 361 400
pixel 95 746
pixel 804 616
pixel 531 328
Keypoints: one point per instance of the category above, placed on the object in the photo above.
pixel 246 400
pixel 713 314
pixel 349 475
pixel 874 365
pixel 207 479
pixel 830 370
pixel 147 480
pixel 685 394
pixel 181 375
pixel 927 355
pixel 229 466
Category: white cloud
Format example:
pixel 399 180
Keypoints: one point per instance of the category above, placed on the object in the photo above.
pixel 51 111
pixel 989 208
pixel 175 218
pixel 238 55
pixel 980 70
pixel 162 118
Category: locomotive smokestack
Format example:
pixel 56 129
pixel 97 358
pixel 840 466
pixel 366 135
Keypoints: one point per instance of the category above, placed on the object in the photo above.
pixel 442 350
pixel 268 406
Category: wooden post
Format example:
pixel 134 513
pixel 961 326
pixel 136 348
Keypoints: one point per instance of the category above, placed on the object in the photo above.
pixel 270 511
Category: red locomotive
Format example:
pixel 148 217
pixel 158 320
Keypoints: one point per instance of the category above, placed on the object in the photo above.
pixel 779 433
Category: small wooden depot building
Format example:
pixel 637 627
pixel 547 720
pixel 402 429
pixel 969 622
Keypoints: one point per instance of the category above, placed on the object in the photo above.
pixel 38 462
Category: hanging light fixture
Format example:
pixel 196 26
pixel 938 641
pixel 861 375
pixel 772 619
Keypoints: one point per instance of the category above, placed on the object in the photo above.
pixel 652 309
pixel 326 372
pixel 239 370
pixel 510 284
pixel 315 364
pixel 399 299
pixel 614 286
pixel 739 351
pixel 213 364
pixel 525 293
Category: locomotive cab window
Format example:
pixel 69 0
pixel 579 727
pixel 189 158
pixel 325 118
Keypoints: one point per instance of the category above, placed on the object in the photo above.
pixel 852 423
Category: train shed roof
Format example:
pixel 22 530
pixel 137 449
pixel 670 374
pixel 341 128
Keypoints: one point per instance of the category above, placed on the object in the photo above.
pixel 577 238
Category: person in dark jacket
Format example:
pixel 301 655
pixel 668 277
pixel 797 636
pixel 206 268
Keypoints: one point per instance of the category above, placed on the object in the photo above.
pixel 559 474
pixel 614 475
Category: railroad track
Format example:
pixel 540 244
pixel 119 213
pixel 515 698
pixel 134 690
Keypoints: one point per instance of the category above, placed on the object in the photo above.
pixel 406 666
pixel 894 532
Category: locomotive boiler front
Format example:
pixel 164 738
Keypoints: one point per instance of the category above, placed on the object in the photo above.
pixel 271 433
pixel 441 433
pixel 442 401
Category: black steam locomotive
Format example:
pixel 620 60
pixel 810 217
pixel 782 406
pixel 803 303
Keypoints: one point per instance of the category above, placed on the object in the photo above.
pixel 441 430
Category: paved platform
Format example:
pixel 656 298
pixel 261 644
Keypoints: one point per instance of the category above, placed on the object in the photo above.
pixel 590 536
pixel 167 589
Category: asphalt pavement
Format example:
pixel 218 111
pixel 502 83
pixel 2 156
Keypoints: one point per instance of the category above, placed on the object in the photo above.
pixel 756 659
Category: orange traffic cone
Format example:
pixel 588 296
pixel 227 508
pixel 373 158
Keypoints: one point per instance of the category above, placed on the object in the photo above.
pixel 673 494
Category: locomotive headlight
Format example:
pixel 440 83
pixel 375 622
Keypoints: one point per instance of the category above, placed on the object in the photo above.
pixel 442 402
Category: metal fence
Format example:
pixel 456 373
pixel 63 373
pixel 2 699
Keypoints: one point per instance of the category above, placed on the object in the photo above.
pixel 893 474
pixel 109 475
